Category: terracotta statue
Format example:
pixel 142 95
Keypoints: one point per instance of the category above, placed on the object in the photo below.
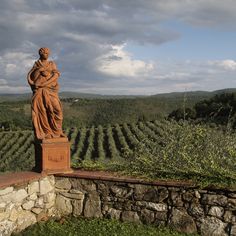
pixel 46 106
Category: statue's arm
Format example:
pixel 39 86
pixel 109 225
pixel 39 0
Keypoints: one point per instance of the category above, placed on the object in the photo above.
pixel 54 77
pixel 30 81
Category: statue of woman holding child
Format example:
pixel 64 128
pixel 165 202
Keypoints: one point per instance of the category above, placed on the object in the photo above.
pixel 46 106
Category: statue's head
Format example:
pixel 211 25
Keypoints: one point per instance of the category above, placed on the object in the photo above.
pixel 44 53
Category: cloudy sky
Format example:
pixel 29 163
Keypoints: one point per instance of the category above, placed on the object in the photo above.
pixel 121 46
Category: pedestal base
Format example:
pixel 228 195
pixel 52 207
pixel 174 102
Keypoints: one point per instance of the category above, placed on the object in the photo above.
pixel 52 156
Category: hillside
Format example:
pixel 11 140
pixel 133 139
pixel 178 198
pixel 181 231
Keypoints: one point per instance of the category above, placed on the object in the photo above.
pixel 64 94
pixel 87 110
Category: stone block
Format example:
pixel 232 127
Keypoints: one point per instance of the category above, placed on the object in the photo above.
pixel 182 222
pixel 13 215
pixel 197 194
pixel 83 185
pixel 213 226
pixel 214 200
pixel 176 199
pixel 4 215
pixel 121 192
pixel 140 190
pixel 228 216
pixel 156 206
pixel 28 205
pixel 231 203
pixel 45 186
pixel 25 219
pixel 33 187
pixel 216 211
pixel 79 195
pixel 232 195
pixel 233 230
pixel 147 216
pixel 39 202
pixel 63 183
pixel 196 210
pixel 130 216
pixel 7 227
pixel 63 205
pixel 78 207
pixel 2 205
pixel 36 210
pixel 113 213
pixel 160 216
pixel 92 206
pixel 188 196
pixel 6 190
pixel 19 195
pixel 49 197
pixel 33 197
pixel 103 189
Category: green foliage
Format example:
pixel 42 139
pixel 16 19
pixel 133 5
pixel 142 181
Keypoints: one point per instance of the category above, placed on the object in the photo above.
pixel 95 227
pixel 220 109
pixel 183 114
pixel 13 117
pixel 193 152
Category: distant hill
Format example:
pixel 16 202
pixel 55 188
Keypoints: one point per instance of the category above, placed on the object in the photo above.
pixel 200 94
pixel 96 96
pixel 26 96
pixel 14 97
pixel 190 94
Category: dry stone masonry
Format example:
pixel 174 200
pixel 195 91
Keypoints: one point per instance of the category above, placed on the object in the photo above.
pixel 210 212
pixel 22 206
pixel 187 209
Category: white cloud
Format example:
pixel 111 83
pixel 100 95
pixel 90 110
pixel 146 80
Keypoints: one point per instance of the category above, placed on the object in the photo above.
pixel 225 64
pixel 15 89
pixel 119 62
pixel 80 34
pixel 3 82
pixel 14 67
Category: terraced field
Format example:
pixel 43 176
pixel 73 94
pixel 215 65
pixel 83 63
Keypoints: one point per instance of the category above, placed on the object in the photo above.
pixel 94 143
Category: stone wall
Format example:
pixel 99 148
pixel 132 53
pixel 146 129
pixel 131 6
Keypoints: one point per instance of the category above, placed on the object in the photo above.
pixel 187 209
pixel 25 204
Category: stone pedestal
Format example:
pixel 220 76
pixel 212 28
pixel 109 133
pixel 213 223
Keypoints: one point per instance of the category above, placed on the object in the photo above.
pixel 52 156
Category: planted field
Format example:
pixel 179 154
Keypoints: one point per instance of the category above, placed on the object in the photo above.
pixel 16 151
pixel 87 144
pixel 153 149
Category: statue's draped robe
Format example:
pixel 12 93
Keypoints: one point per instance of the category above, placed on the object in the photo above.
pixel 46 106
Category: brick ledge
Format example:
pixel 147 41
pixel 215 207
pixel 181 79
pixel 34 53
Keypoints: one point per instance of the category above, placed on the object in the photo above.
pixel 115 177
pixel 18 178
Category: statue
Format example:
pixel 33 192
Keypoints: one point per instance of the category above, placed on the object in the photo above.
pixel 46 106
pixel 52 148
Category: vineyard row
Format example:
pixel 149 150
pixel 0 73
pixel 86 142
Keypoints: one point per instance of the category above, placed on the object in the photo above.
pixel 94 143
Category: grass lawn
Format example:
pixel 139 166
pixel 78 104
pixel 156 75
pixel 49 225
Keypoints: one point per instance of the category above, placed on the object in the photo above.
pixel 72 226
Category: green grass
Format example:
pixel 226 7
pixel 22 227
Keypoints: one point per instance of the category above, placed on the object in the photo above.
pixel 95 227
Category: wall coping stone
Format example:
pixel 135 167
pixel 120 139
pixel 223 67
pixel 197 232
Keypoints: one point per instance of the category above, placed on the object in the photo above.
pixel 117 177
pixel 18 178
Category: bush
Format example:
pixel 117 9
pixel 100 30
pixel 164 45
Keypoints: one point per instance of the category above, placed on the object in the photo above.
pixel 189 151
